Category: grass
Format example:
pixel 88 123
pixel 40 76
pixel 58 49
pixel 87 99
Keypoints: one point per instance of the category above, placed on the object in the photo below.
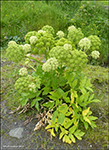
pixel 18 18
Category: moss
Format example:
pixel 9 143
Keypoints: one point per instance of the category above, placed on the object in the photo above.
pixel 99 135
pixel 97 74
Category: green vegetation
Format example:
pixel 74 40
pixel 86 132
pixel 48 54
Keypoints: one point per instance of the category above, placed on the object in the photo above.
pixel 18 18
pixel 59 91
pixel 100 89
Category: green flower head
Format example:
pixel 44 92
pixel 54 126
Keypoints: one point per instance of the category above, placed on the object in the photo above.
pixel 15 52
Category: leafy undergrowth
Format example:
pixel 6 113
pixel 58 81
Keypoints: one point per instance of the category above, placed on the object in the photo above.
pixel 99 78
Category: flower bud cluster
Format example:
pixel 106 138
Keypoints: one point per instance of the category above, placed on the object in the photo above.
pixel 63 41
pixel 44 43
pixel 95 54
pixel 28 83
pixel 75 35
pixel 15 52
pixel 68 47
pixel 71 27
pixel 11 43
pixel 32 87
pixel 23 71
pixel 41 31
pixel 76 60
pixel 95 42
pixel 48 28
pixel 50 65
pixel 28 35
pixel 26 48
pixel 59 53
pixel 84 43
pixel 60 34
pixel 33 40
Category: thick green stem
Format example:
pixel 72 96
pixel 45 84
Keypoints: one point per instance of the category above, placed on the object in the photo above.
pixel 32 67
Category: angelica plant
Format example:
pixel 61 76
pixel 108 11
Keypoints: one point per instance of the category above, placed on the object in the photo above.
pixel 57 84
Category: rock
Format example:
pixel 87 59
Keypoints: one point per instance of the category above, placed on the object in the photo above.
pixel 17 132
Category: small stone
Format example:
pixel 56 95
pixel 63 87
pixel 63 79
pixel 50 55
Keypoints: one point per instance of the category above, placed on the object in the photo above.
pixel 90 145
pixel 17 132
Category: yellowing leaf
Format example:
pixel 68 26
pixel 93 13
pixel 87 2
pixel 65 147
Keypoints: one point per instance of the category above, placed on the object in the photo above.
pixel 50 125
pixel 66 139
pixel 85 112
pixel 52 132
pixel 72 129
pixel 70 109
pixel 72 138
pixel 61 135
pixel 72 98
pixel 87 120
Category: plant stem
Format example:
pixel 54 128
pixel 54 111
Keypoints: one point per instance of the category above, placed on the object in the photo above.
pixel 32 67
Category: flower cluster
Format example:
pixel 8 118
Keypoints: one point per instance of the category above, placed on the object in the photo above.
pixel 15 52
pixel 28 35
pixel 27 48
pixel 32 87
pixel 23 71
pixel 26 84
pixel 75 35
pixel 33 40
pixel 95 54
pixel 60 34
pixel 44 43
pixel 59 53
pixel 11 43
pixel 63 41
pixel 71 27
pixel 50 65
pixel 76 60
pixel 84 43
pixel 48 28
pixel 68 47
pixel 95 42
pixel 22 83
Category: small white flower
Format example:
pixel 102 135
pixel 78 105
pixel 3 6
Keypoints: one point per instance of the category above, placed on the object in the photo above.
pixel 67 47
pixel 33 39
pixel 60 34
pixel 71 27
pixel 95 54
pixel 50 64
pixel 41 31
pixel 27 48
pixel 32 87
pixel 23 72
pixel 84 43
pixel 11 43
pixel 28 55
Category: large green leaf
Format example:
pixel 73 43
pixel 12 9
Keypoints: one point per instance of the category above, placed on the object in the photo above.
pixel 72 129
pixel 46 90
pixel 49 104
pixel 23 101
pixel 63 108
pixel 72 137
pixel 61 118
pixel 78 133
pixel 37 105
pixel 55 114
